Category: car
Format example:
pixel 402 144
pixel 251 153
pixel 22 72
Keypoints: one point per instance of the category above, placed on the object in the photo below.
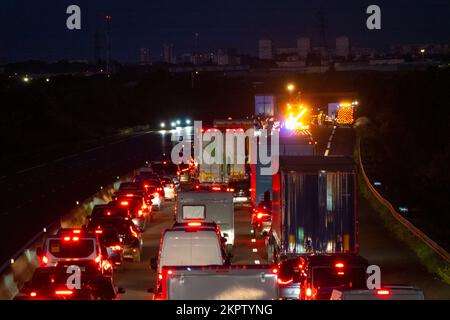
pixel 130 236
pixel 322 273
pixel 111 244
pixel 164 168
pixel 169 188
pixel 241 191
pixel 50 283
pixel 290 275
pixel 190 244
pixel 134 188
pixel 104 210
pixel 139 211
pixel 71 244
pixel 386 292
pixel 261 220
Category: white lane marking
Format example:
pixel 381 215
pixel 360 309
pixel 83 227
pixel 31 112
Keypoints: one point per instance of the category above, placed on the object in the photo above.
pixel 328 145
pixel 326 153
pixel 32 168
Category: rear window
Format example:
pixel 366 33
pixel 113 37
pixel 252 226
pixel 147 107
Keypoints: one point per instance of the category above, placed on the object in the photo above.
pixel 182 248
pixel 239 185
pixel 326 277
pixel 71 249
pixel 108 212
pixel 193 212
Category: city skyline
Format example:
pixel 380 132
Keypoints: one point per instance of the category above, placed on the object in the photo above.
pixel 235 25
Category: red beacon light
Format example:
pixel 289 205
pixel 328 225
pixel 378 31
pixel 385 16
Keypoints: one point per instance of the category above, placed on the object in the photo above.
pixel 383 292
pixel 194 224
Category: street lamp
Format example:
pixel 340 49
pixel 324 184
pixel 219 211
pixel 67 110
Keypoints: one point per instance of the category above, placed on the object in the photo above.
pixel 422 51
pixel 188 121
pixel 173 124
pixel 290 87
pixel 163 125
pixel 178 122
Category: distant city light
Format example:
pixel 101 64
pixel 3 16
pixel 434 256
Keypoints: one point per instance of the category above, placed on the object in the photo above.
pixel 162 125
pixel 290 87
pixel 377 183
pixel 173 124
pixel 178 122
pixel 47 80
pixel 26 79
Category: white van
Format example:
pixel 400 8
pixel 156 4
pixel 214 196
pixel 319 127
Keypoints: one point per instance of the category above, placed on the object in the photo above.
pixel 191 244
pixel 385 293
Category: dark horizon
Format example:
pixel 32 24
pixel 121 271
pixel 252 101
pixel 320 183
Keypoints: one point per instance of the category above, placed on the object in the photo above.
pixel 37 31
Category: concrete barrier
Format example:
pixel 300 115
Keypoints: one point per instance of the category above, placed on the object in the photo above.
pixel 13 274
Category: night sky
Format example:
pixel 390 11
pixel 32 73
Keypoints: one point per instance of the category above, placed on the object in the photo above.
pixel 31 29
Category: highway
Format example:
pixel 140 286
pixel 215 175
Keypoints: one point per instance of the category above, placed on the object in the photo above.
pixel 39 195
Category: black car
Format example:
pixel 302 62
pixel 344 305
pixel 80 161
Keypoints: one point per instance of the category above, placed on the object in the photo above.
pixel 241 191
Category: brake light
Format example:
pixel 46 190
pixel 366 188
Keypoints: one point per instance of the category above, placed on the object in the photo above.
pixel 339 265
pixel 130 195
pixel 146 186
pixel 124 203
pixel 140 213
pixel 309 292
pixel 108 213
pixel 285 282
pixel 274 270
pixel 341 273
pixel 160 276
pixel 77 231
pixel 97 259
pixel 216 188
pixel 197 187
pixel 194 224
pixel 383 292
pixel 64 292
pixel 44 260
pixel 33 294
pixel 261 215
pixel 98 231
pixel 169 272
pixel 133 232
pixel 75 238
pixel 66 238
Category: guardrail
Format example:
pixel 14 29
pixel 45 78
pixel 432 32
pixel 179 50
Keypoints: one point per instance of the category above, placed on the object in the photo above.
pixel 406 223
pixel 20 267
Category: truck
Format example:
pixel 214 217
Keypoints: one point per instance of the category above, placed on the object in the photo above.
pixel 238 282
pixel 314 207
pixel 208 206
pixel 265 105
pixel 229 169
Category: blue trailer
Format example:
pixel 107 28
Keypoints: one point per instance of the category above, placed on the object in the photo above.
pixel 315 208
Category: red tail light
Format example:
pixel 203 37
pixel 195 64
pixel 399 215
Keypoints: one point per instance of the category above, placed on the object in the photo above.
pixel 383 292
pixel 75 239
pixel 64 292
pixel 274 270
pixel 261 215
pixel 309 292
pixel 169 272
pixel 77 231
pixel 133 232
pixel 140 213
pixel 66 238
pixel 194 224
pixel 44 260
pixel 33 294
pixel 282 282
pixel 124 203
pixel 98 231
pixel 98 258
pixel 108 213
pixel 130 195
pixel 216 188
pixel 339 265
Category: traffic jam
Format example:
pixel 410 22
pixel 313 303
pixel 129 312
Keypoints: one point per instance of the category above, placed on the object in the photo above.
pixel 303 218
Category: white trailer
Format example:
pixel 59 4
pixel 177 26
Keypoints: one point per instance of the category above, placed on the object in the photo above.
pixel 208 206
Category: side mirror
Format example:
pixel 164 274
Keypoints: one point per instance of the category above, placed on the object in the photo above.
pixel 120 290
pixel 153 263
pixel 39 251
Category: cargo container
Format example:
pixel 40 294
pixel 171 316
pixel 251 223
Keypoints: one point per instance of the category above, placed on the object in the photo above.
pixel 314 206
